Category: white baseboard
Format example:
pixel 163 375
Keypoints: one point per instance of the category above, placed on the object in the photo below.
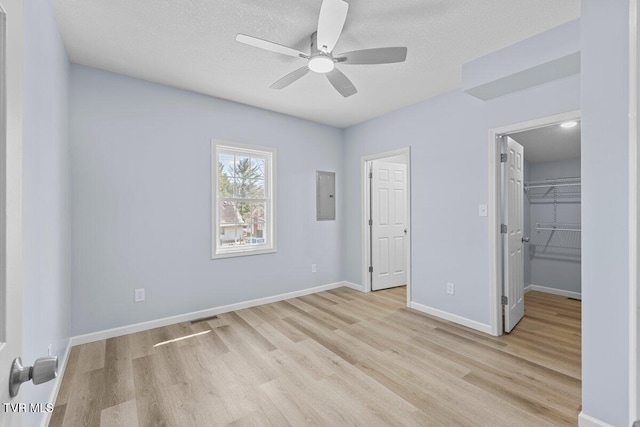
pixel 62 366
pixel 585 420
pixel 451 317
pixel 568 294
pixel 144 326
pixel 354 286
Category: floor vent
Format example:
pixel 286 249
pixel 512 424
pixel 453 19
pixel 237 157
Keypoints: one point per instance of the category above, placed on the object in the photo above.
pixel 204 319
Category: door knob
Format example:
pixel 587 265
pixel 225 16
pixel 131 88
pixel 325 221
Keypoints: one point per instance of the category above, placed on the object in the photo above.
pixel 44 369
pixel 525 240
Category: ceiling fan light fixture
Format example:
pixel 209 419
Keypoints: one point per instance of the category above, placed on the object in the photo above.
pixel 321 64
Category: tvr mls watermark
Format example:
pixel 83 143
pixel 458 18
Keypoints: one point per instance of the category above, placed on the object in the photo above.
pixel 28 407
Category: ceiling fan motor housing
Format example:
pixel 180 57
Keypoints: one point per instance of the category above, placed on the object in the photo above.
pixel 319 61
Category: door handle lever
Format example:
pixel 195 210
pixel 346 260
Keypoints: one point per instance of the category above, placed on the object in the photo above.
pixel 525 240
pixel 44 369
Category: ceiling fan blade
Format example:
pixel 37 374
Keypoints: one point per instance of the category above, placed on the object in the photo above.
pixel 333 14
pixel 381 55
pixel 290 78
pixel 341 83
pixel 270 46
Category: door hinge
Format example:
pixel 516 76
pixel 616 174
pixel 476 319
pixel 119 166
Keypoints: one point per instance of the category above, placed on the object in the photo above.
pixel 370 175
pixel 505 300
pixel 503 157
pixel 370 269
pixel 503 228
pixel 370 222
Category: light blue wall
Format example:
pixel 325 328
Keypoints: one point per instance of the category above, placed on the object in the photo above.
pixel 47 277
pixel 554 257
pixel 142 204
pixel 605 175
pixel 449 178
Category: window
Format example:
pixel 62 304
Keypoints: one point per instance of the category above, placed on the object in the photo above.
pixel 243 200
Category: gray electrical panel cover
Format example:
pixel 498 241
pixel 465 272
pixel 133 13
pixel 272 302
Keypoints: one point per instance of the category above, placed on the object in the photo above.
pixel 325 196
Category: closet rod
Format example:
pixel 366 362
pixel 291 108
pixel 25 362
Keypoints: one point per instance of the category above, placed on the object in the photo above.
pixel 557 229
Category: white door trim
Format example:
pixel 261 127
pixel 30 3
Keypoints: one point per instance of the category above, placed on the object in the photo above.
pixel 495 190
pixel 364 206
pixel 12 169
pixel 634 379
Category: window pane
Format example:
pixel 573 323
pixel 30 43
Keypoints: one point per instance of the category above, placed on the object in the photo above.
pixel 231 234
pixel 258 166
pixel 231 227
pixel 225 164
pixel 257 187
pixel 256 232
pixel 244 210
pixel 258 212
pixel 243 167
pixel 244 188
pixel 250 188
pixel 225 173
pixel 228 213
pixel 226 186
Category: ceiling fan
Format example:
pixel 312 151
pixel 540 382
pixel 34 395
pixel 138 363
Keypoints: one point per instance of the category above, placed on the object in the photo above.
pixel 320 59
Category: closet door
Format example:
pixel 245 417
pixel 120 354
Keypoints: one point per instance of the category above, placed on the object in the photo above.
pixel 514 256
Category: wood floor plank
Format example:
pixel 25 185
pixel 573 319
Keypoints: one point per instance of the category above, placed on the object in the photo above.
pixel 68 381
pixel 121 415
pixel 335 358
pixel 85 403
pixel 151 409
pixel 91 357
pixel 254 337
pixel 57 417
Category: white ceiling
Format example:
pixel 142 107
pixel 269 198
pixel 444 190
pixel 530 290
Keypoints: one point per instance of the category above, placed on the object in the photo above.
pixel 191 45
pixel 549 143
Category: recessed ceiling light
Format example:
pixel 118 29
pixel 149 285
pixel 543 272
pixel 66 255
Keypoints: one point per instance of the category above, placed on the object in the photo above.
pixel 568 125
pixel 321 64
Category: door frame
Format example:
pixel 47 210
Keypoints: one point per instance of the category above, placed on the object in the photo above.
pixel 364 207
pixel 11 172
pixel 495 211
pixel 634 207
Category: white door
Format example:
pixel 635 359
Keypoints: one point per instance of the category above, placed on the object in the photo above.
pixel 388 229
pixel 514 255
pixel 10 199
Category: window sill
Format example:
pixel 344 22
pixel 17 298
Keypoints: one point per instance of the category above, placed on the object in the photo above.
pixel 241 253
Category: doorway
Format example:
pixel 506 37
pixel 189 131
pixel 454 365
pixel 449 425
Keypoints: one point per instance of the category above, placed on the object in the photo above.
pixel 386 218
pixel 535 221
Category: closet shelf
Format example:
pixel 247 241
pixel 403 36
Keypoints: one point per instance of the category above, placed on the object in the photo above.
pixel 552 226
pixel 554 189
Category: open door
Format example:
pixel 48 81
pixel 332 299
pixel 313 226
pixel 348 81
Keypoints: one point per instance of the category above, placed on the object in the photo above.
pixel 10 201
pixel 513 253
pixel 388 224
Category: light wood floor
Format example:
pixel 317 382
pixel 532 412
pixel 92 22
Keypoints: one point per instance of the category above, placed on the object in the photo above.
pixel 336 358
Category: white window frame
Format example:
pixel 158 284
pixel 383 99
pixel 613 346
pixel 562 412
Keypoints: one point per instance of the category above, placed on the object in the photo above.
pixel 218 147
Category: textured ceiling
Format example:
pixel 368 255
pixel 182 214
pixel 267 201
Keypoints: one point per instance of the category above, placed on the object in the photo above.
pixel 549 143
pixel 191 45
